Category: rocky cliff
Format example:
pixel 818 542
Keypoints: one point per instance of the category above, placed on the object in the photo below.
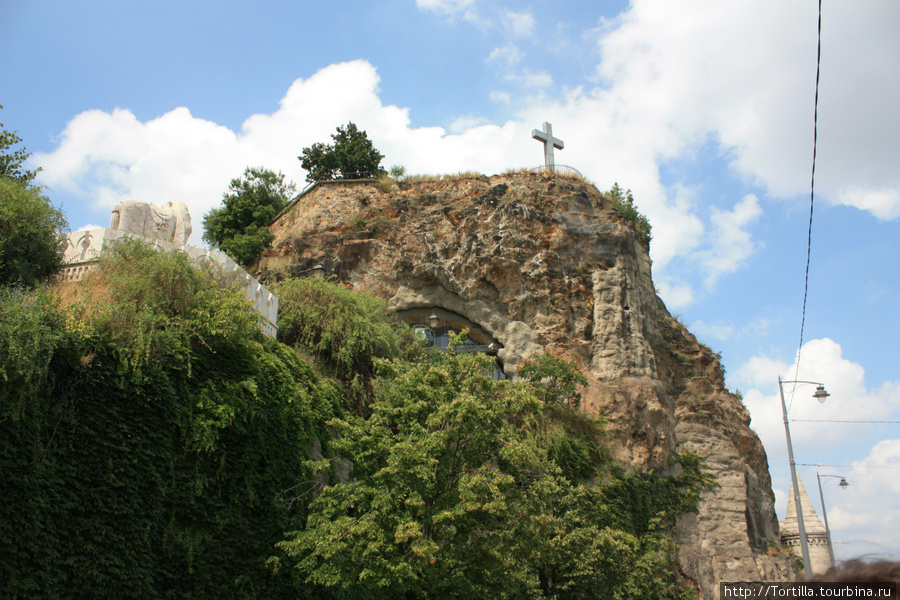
pixel 542 262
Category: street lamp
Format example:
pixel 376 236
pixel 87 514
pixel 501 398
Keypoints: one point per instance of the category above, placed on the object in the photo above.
pixel 843 483
pixel 819 395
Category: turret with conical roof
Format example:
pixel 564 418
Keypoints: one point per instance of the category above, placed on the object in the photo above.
pixel 816 534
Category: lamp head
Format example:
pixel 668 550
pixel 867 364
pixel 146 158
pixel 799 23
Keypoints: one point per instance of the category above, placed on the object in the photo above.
pixel 434 321
pixel 821 394
pixel 843 483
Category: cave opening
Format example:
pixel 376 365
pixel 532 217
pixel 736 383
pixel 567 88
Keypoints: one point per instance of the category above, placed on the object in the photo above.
pixel 435 325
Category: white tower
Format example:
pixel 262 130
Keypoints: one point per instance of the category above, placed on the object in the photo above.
pixel 816 535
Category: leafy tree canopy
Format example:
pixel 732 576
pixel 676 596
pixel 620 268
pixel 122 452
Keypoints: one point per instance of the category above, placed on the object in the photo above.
pixel 563 378
pixel 12 161
pixel 30 230
pixel 457 493
pixel 240 225
pixel 352 156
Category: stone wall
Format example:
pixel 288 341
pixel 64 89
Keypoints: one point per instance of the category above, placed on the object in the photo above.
pixel 546 263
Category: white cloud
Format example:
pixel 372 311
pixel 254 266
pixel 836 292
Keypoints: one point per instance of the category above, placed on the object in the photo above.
pixel 89 227
pixel 500 97
pixel 529 79
pixel 520 24
pixel 453 8
pixel 445 6
pixel 507 56
pixel 677 231
pixel 731 242
pixel 816 429
pixel 465 122
pixel 109 157
pixel 865 517
pixel 675 294
pixel 884 203
pixel 706 70
pixel 717 331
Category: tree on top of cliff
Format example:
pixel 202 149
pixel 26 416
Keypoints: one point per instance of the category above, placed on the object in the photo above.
pixel 352 156
pixel 623 203
pixel 30 226
pixel 30 230
pixel 240 225
pixel 12 161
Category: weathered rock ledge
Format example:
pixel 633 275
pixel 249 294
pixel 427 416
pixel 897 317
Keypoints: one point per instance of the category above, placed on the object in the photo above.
pixel 539 263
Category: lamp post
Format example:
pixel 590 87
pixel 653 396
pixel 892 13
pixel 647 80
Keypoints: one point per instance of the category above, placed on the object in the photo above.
pixel 819 395
pixel 843 483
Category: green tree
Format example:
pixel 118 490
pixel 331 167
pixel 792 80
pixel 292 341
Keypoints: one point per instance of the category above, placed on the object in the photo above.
pixel 352 156
pixel 563 378
pixel 30 231
pixel 455 492
pixel 241 225
pixel 428 513
pixel 12 161
pixel 623 203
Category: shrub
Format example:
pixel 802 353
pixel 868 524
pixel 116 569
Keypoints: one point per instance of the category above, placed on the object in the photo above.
pixel 623 203
pixel 344 331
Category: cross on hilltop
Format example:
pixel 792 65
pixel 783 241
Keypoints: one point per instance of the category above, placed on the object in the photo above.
pixel 550 142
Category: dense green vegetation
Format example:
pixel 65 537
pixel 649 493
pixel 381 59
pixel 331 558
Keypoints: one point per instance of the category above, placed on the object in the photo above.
pixel 151 439
pixel 30 226
pixel 468 487
pixel 154 444
pixel 30 230
pixel 240 227
pixel 343 332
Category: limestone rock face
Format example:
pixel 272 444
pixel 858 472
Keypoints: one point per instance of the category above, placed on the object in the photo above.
pixel 546 263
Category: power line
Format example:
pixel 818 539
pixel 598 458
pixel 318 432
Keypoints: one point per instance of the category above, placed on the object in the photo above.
pixel 847 466
pixel 837 421
pixel 812 189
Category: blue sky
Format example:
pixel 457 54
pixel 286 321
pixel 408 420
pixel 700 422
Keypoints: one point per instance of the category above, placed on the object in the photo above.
pixel 703 109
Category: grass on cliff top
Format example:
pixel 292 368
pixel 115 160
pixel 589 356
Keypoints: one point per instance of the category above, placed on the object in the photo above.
pixel 458 176
pixel 620 200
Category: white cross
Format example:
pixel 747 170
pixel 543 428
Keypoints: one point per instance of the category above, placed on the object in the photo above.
pixel 550 142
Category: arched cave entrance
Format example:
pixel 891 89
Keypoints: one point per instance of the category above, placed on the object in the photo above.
pixel 436 324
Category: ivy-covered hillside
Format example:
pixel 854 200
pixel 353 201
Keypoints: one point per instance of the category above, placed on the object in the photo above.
pixel 153 444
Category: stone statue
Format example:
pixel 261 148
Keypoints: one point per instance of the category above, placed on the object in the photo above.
pixel 170 222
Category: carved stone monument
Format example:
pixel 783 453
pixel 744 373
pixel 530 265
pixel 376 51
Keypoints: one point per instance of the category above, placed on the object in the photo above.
pixel 168 227
pixel 170 222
